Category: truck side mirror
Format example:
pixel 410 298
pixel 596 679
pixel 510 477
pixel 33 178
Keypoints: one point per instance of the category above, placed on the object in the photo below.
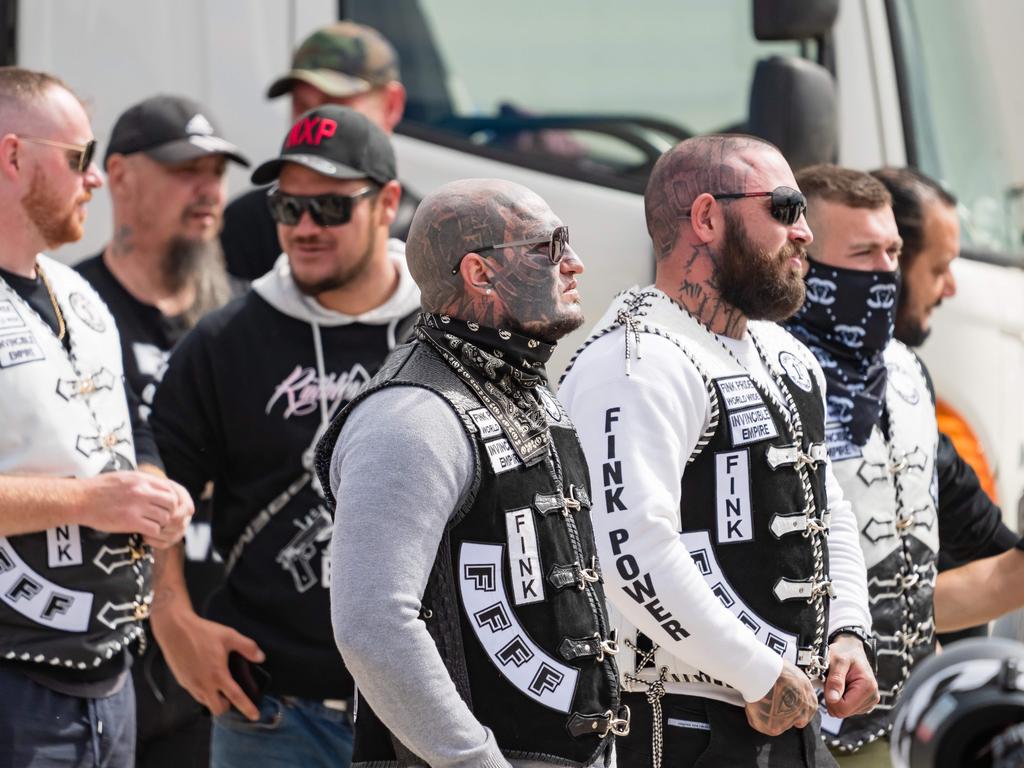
pixel 793 105
pixel 793 19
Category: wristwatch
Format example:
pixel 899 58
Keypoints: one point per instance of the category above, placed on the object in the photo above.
pixel 865 637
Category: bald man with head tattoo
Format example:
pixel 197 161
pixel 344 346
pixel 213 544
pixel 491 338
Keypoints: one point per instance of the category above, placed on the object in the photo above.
pixel 466 594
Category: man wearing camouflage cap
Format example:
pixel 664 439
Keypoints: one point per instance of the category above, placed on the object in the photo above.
pixel 344 63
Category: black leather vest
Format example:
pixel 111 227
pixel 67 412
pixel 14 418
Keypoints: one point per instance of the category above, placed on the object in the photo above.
pixel 514 601
pixel 73 597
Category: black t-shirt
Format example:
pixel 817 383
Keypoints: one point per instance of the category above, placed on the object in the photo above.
pixel 147 334
pixel 249 237
pixel 147 338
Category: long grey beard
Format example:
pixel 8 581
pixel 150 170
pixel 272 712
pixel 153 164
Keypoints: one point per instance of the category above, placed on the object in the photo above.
pixel 201 263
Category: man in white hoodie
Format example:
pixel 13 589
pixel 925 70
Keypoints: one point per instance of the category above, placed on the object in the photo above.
pixel 730 557
pixel 245 398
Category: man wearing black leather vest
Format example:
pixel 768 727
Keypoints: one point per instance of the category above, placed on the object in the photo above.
pixel 735 577
pixel 467 598
pixel 883 441
pixel 77 519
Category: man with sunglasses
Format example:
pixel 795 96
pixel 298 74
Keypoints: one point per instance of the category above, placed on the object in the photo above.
pixel 162 270
pixel 244 399
pixel 77 521
pixel 884 444
pixel 344 63
pixel 467 600
pixel 730 557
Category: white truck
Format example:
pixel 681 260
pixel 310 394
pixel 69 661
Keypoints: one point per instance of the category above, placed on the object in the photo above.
pixel 577 98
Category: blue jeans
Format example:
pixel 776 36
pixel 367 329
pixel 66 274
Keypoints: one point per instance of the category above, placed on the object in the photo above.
pixel 290 732
pixel 40 728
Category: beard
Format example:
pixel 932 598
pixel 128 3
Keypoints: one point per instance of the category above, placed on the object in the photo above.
pixel 344 276
pixel 759 284
pixel 548 331
pixel 201 263
pixel 44 209
pixel 910 330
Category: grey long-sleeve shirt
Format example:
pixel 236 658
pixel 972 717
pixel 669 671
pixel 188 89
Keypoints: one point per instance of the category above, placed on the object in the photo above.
pixel 401 467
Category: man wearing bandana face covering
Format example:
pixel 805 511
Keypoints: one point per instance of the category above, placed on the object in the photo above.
pixel 882 439
pixel 466 597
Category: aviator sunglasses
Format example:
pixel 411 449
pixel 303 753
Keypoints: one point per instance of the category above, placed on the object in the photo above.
pixel 80 155
pixel 557 242
pixel 787 204
pixel 325 210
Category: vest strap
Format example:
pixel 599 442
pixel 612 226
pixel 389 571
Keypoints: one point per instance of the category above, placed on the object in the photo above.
pixel 791 455
pixel 802 523
pixel 69 388
pixel 562 576
pixel 572 648
pixel 600 725
pixel 809 589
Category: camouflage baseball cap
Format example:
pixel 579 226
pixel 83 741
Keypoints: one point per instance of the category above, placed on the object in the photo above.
pixel 344 59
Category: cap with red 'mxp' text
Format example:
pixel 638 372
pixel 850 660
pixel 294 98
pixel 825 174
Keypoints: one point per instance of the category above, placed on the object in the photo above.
pixel 334 141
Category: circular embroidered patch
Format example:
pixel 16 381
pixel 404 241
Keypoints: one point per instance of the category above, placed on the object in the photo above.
pixel 796 370
pixel 87 312
pixel 903 383
pixel 550 404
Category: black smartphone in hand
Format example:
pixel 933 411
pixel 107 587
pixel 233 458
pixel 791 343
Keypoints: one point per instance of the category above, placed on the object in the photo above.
pixel 251 678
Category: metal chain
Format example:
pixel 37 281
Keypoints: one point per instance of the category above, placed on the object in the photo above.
pixel 655 692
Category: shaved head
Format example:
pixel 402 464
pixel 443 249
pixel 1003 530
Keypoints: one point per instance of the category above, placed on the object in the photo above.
pixel 715 164
pixel 456 227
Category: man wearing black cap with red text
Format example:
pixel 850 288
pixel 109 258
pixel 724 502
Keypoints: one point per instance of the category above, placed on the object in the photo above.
pixel 162 270
pixel 244 399
pixel 344 63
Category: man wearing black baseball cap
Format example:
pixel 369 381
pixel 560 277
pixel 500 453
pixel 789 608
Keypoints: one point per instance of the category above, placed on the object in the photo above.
pixel 344 63
pixel 245 397
pixel 162 270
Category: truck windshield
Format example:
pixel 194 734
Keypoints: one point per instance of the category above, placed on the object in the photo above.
pixel 591 84
pixel 955 130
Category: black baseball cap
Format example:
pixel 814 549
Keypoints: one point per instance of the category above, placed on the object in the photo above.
pixel 334 141
pixel 169 129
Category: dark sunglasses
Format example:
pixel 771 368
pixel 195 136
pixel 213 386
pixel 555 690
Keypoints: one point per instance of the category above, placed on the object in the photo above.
pixel 557 242
pixel 326 210
pixel 80 155
pixel 787 204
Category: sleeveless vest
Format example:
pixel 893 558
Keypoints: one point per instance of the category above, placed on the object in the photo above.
pixel 755 518
pixel 514 601
pixel 70 596
pixel 891 483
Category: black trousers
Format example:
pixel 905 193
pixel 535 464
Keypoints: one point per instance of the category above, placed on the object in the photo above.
pixel 706 733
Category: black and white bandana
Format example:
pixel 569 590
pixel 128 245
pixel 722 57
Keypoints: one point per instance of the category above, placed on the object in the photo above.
pixel 504 369
pixel 847 322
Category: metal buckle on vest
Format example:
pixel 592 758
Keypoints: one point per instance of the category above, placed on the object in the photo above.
pixel 792 455
pixel 789 589
pixel 562 576
pixel 546 503
pixel 805 523
pixel 813 663
pixel 88 385
pixel 600 725
pixel 572 648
